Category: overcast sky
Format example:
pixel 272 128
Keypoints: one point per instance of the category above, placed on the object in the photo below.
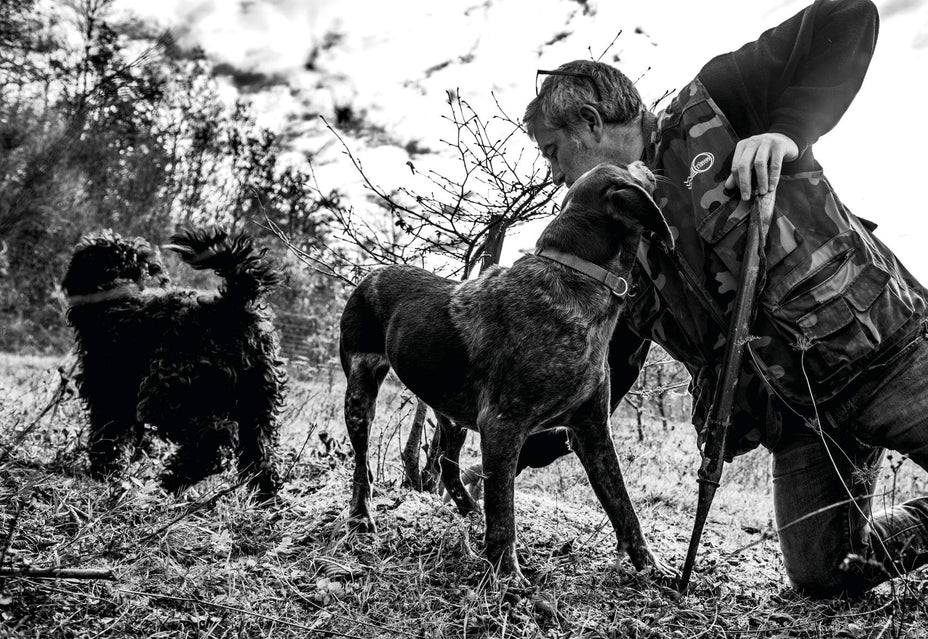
pixel 396 60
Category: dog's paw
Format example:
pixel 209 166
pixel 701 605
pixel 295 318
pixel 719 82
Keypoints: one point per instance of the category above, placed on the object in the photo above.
pixel 171 484
pixel 661 573
pixel 361 524
pixel 469 491
pixel 650 565
pixel 269 500
pixel 664 574
pixel 508 577
pixel 267 491
pixel 464 501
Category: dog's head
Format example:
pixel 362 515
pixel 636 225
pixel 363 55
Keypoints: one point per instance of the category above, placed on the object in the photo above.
pixel 606 211
pixel 105 261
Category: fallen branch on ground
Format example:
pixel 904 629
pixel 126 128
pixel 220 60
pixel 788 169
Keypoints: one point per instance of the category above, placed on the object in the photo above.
pixel 58 573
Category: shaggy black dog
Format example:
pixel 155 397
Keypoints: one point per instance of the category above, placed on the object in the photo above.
pixel 199 369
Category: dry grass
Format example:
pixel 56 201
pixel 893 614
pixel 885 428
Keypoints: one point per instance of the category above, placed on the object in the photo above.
pixel 213 564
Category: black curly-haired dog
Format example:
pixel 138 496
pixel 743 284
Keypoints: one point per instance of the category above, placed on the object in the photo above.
pixel 201 370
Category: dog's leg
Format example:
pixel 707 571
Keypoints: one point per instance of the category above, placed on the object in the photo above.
pixel 109 436
pixel 365 372
pixel 593 444
pixel 141 441
pixel 539 450
pixel 500 443
pixel 258 431
pixel 204 452
pixel 452 439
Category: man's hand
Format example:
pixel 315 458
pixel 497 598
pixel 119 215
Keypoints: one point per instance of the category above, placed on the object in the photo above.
pixel 763 156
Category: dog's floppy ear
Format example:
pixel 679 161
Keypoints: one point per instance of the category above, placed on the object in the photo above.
pixel 635 208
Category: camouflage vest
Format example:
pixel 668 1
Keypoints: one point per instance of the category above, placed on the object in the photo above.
pixel 834 297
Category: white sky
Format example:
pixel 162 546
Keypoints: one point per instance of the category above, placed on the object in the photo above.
pixel 874 157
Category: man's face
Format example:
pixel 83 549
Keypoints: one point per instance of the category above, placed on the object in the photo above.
pixel 566 154
pixel 570 156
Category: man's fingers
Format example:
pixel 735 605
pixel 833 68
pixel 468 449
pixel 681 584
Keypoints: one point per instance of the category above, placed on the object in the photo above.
pixel 730 183
pixel 761 158
pixel 745 166
pixel 732 180
pixel 776 166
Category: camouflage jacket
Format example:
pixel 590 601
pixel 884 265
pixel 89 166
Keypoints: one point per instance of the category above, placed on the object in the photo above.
pixel 834 299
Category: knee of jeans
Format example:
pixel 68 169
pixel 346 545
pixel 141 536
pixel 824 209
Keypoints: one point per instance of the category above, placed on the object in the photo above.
pixel 822 577
pixel 814 578
pixel 817 585
pixel 813 558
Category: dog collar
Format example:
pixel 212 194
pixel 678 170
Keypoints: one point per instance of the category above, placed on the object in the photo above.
pixel 123 290
pixel 615 283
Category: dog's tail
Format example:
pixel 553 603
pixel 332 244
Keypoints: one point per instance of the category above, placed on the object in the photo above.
pixel 248 272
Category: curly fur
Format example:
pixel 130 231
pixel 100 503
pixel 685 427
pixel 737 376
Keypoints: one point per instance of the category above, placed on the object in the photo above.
pixel 198 369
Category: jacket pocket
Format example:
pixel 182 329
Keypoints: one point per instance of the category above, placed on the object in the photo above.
pixel 812 280
pixel 723 226
pixel 835 306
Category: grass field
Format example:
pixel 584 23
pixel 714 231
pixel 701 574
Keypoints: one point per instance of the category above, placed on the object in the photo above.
pixel 214 564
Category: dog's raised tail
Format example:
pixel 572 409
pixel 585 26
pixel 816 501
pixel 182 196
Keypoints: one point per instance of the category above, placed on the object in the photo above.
pixel 248 272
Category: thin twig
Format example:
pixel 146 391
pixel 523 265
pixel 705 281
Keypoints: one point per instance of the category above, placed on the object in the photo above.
pixel 11 529
pixel 57 398
pixel 610 46
pixel 250 613
pixel 58 573
pixel 312 428
pixel 821 433
pixel 304 257
pixel 196 507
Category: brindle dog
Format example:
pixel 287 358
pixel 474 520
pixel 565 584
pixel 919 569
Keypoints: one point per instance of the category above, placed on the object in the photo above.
pixel 516 351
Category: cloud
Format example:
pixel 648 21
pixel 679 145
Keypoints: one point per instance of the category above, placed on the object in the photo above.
pixel 246 79
pixel 891 8
pixel 921 40
pixel 271 37
pixel 389 65
pixel 915 25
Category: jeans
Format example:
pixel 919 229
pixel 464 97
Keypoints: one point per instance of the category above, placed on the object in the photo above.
pixel 833 544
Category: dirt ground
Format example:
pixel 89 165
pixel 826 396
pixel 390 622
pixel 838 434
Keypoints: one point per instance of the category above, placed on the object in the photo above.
pixel 212 563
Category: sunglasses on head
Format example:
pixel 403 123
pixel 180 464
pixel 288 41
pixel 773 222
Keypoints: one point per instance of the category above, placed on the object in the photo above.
pixel 540 72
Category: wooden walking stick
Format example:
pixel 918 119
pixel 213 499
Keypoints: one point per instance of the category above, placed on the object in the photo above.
pixel 719 421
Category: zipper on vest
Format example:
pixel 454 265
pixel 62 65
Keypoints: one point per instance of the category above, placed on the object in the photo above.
pixel 819 277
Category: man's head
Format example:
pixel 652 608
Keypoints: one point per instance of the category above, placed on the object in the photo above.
pixel 586 113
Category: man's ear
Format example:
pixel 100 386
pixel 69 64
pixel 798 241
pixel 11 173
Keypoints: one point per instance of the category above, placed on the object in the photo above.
pixel 635 208
pixel 592 121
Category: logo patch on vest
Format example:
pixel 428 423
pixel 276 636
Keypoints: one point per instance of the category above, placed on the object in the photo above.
pixel 701 163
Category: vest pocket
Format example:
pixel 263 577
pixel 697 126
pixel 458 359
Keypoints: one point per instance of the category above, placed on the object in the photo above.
pixel 801 286
pixel 724 228
pixel 825 320
pixel 833 341
pixel 835 306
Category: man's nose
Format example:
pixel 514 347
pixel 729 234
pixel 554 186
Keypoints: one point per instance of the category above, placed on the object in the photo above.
pixel 557 175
